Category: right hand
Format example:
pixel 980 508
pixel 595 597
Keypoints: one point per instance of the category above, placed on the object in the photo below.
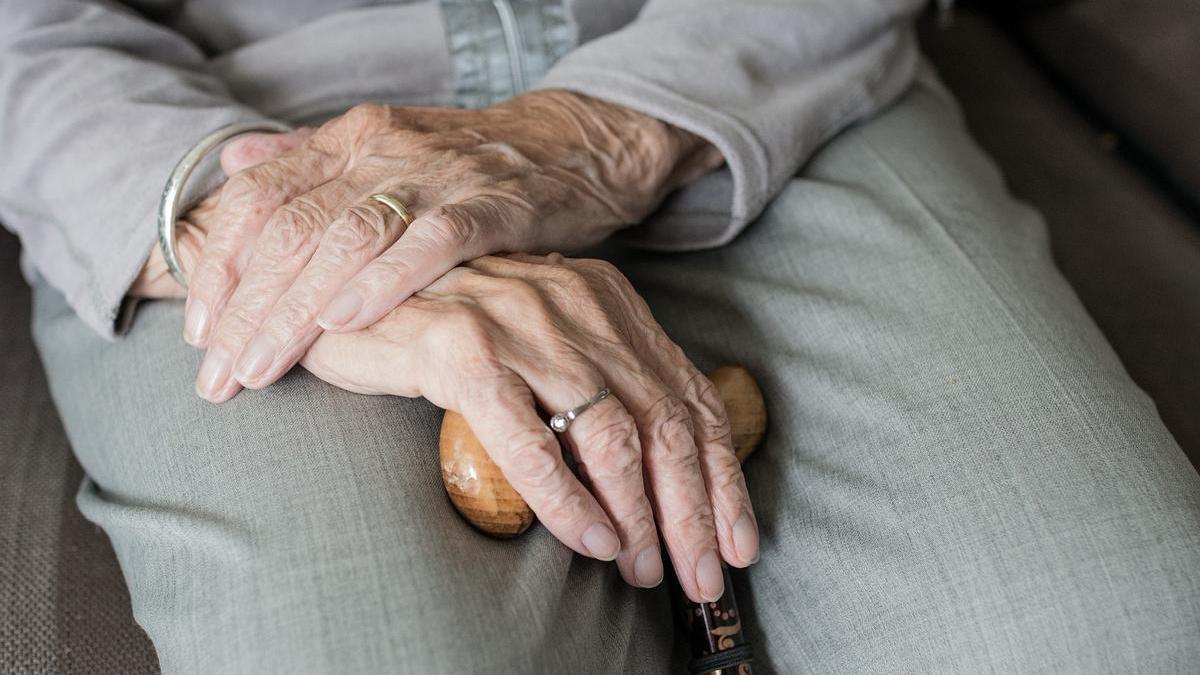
pixel 499 337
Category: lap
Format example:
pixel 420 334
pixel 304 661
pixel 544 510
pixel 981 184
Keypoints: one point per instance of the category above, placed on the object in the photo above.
pixel 958 475
pixel 306 529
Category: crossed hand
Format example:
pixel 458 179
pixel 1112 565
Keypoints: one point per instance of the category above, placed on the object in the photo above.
pixel 293 263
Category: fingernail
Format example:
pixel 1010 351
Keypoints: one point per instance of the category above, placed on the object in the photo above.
pixel 214 372
pixel 709 577
pixel 745 538
pixel 195 325
pixel 255 359
pixel 339 312
pixel 648 568
pixel 601 542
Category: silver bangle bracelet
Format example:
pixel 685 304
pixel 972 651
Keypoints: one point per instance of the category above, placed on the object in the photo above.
pixel 168 204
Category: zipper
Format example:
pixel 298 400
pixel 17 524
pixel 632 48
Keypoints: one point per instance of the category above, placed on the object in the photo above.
pixel 514 43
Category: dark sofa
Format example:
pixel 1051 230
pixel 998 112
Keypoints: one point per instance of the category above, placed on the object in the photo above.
pixel 1090 109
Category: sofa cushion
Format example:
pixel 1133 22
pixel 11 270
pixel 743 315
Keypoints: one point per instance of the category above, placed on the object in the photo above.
pixel 1129 251
pixel 1136 62
pixel 63 603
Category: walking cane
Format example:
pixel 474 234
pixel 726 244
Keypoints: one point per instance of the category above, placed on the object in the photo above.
pixel 481 494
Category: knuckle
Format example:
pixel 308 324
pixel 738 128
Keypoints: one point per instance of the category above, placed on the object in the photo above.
pixel 639 522
pixel 531 460
pixel 288 317
pixel 518 297
pixel 566 507
pixel 517 292
pixel 671 428
pixel 612 451
pixel 695 524
pixel 467 331
pixel 294 227
pixel 569 280
pixel 470 323
pixel 729 484
pixel 601 268
pixel 383 271
pixel 471 166
pixel 360 228
pixel 712 422
pixel 508 157
pixel 236 320
pixel 450 227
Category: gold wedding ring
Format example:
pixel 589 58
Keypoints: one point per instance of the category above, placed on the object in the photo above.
pixel 396 205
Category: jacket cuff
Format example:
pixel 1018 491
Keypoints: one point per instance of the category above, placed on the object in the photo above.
pixel 101 299
pixel 710 211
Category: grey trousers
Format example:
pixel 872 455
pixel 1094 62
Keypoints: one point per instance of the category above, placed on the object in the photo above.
pixel 959 475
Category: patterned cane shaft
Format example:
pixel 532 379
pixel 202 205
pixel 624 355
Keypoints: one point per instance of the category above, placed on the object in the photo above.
pixel 715 630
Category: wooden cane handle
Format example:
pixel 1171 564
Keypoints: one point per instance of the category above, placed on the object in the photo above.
pixel 481 494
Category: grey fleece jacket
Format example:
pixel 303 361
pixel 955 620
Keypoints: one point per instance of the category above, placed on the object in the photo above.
pixel 99 99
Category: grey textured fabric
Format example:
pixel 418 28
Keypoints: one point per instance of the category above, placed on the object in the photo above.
pixel 1130 252
pixel 959 476
pixel 63 604
pixel 106 96
pixel 1136 62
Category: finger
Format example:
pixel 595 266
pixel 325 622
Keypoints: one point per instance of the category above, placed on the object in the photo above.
pixel 249 150
pixel 673 471
pixel 432 245
pixel 670 457
pixel 363 230
pixel 529 456
pixel 248 199
pixel 733 513
pixel 736 525
pixel 604 440
pixel 281 252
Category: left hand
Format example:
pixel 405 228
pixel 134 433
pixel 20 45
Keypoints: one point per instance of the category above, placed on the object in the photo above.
pixel 297 247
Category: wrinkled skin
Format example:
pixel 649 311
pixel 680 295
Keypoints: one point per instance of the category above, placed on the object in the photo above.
pixel 296 245
pixel 498 337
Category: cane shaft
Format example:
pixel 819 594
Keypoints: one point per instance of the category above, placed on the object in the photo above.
pixel 715 632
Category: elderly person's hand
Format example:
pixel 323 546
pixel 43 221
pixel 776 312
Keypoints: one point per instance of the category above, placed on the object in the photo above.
pixel 297 246
pixel 191 230
pixel 499 337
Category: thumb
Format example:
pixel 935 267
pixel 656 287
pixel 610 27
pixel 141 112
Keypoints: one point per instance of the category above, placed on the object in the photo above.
pixel 247 150
pixel 155 280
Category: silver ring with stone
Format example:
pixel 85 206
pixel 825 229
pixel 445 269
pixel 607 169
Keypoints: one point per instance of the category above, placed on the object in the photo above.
pixel 562 420
pixel 168 204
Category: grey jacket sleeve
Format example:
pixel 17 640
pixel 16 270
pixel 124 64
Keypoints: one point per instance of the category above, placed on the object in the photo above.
pixel 96 106
pixel 765 81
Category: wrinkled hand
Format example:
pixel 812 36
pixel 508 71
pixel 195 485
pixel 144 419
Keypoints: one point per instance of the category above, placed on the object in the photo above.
pixel 499 336
pixel 296 246
pixel 191 230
